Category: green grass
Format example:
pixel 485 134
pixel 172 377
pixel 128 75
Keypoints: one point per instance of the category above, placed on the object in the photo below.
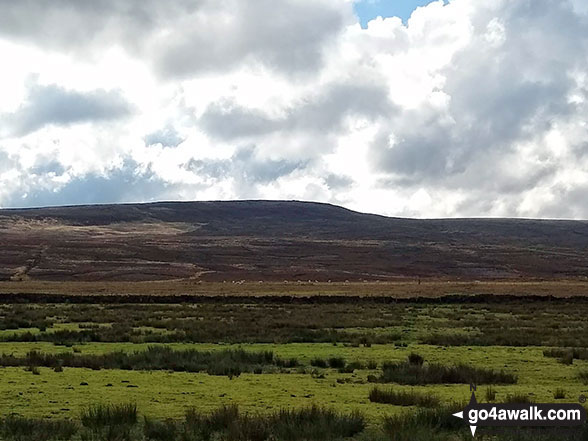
pixel 326 374
pixel 165 394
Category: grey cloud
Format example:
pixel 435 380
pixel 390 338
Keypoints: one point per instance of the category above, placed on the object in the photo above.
pixel 58 106
pixel 288 36
pixel 500 97
pixel 224 120
pixel 338 182
pixel 327 110
pixel 73 25
pixel 321 113
pixel 167 137
pixel 7 162
pixel 245 167
pixel 567 203
pixel 262 170
pixel 423 152
pixel 48 166
pixel 128 183
pixel 183 37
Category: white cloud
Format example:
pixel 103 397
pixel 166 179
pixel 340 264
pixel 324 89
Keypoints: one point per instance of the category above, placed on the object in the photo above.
pixel 474 108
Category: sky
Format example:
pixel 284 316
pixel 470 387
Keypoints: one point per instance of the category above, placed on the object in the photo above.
pixel 439 109
pixel 367 10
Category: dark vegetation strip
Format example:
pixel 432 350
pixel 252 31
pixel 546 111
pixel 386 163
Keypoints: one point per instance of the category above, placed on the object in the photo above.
pixel 230 362
pixel 415 372
pixel 120 422
pixel 493 337
pixel 567 355
pixel 403 397
pixel 438 424
pixel 13 298
pixel 124 333
pixel 510 323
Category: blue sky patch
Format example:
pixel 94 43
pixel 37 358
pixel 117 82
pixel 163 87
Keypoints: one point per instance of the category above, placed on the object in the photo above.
pixel 367 10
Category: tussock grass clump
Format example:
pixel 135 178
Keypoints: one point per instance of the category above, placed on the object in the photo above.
pixel 434 373
pixel 559 394
pixel 351 367
pixel 567 359
pixel 34 370
pixel 567 355
pixel 286 362
pixel 337 362
pixel 319 362
pixel 315 423
pixel 577 353
pixel 403 397
pixel 490 394
pixel 160 430
pixel 19 428
pixel 518 398
pixel 312 423
pixel 415 359
pixel 104 415
pixel 424 423
pixel 230 362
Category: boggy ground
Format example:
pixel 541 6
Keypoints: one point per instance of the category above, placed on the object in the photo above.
pixel 330 355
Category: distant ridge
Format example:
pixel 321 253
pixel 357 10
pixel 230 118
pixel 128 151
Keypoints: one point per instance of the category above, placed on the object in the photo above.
pixel 279 240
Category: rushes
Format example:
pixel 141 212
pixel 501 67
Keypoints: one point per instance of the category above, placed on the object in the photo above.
pixel 311 423
pixel 435 373
pixel 567 355
pixel 119 422
pixel 230 362
pixel 490 394
pixel 103 415
pixel 559 393
pixel 403 397
pixel 518 398
pixel 20 428
pixel 423 423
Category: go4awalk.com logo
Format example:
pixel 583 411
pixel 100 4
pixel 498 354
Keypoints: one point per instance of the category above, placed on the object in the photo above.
pixel 510 415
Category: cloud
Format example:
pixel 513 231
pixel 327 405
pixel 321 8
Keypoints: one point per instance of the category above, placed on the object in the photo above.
pixel 504 91
pixel 245 167
pixel 469 108
pixel 71 25
pixel 128 183
pixel 289 37
pixel 337 181
pixel 320 112
pixel 55 105
pixel 184 37
pixel 167 136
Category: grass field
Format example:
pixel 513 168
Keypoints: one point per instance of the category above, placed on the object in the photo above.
pixel 327 355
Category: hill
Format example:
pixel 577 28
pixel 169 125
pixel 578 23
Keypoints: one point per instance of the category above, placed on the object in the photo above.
pixel 279 240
